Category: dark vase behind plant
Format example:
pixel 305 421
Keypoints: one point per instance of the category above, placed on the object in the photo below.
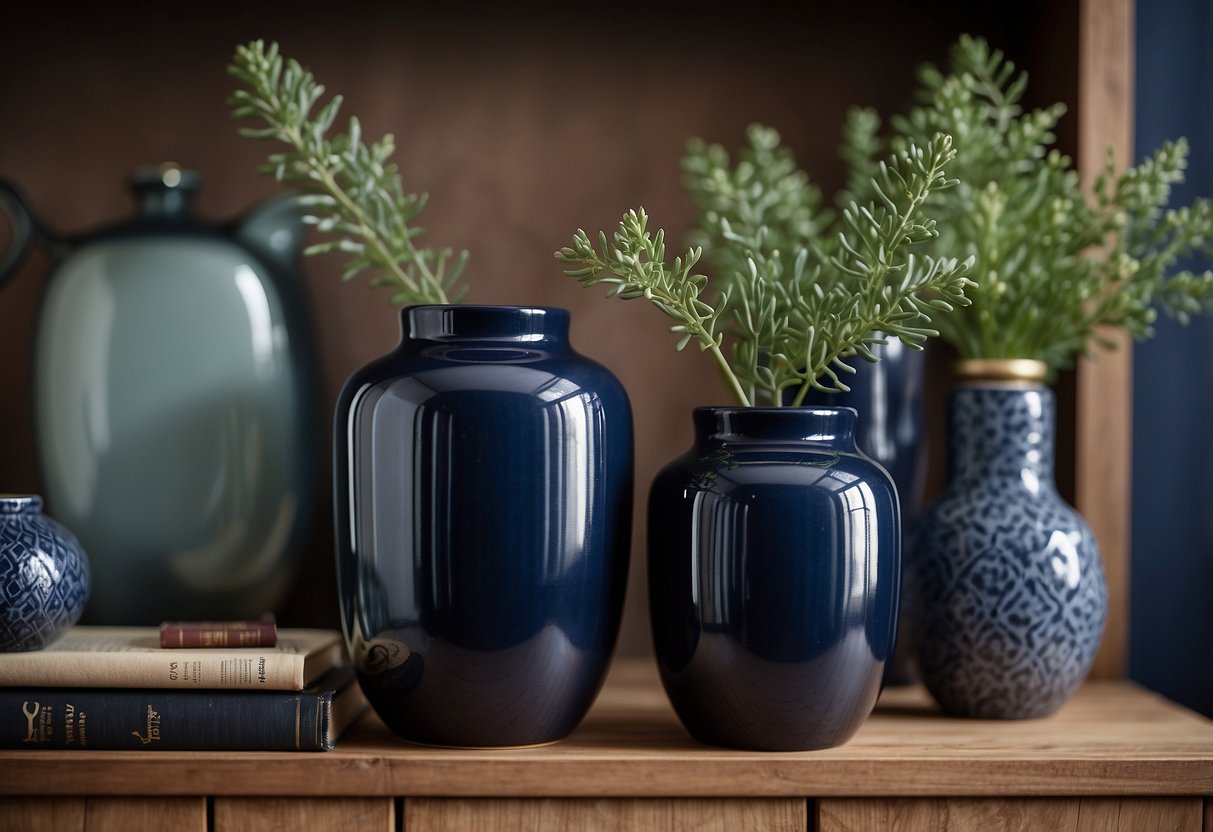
pixel 774 557
pixel 1009 587
pixel 483 505
pixel 887 395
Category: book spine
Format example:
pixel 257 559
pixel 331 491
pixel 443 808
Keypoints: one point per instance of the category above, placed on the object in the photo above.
pixel 201 634
pixel 160 720
pixel 247 670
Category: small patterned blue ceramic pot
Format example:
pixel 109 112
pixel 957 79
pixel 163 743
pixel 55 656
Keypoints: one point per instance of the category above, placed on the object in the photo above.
pixel 44 576
pixel 1005 581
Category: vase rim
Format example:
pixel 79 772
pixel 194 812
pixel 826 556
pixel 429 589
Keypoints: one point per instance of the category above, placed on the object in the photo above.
pixel 456 321
pixel 1018 370
pixel 784 424
pixel 500 307
pixel 803 410
pixel 20 504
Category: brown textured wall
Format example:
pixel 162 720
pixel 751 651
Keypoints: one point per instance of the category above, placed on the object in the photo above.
pixel 522 125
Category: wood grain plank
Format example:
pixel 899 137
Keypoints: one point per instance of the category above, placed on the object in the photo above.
pixel 1019 815
pixel 1104 385
pixel 145 814
pixel 1111 739
pixel 267 814
pixel 1208 826
pixel 946 815
pixel 1158 815
pixel 41 814
pixel 703 815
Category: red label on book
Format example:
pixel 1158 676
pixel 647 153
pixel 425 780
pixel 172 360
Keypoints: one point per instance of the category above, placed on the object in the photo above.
pixel 218 634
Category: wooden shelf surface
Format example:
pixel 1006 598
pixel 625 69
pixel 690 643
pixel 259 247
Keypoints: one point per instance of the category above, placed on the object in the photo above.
pixel 1113 738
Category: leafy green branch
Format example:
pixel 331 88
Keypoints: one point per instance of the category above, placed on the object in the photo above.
pixel 1057 266
pixel 764 203
pixel 793 315
pixel 634 266
pixel 351 190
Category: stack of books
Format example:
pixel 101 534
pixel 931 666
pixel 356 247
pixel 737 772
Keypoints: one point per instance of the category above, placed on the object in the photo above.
pixel 117 688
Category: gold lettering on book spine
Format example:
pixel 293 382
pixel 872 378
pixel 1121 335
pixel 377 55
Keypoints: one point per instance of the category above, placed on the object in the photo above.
pixel 31 715
pixel 69 724
pixel 39 721
pixel 153 728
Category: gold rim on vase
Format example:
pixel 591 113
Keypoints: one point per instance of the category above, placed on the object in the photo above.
pixel 1023 370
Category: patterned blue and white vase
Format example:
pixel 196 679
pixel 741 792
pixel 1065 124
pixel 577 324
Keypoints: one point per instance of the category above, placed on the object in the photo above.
pixel 44 576
pixel 1010 592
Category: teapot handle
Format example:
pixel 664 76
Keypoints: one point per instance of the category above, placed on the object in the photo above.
pixel 24 229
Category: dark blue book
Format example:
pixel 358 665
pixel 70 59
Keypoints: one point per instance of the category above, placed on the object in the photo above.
pixel 157 719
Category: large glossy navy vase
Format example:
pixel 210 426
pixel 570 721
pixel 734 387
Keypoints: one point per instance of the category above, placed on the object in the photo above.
pixel 774 560
pixel 483 516
pixel 1010 588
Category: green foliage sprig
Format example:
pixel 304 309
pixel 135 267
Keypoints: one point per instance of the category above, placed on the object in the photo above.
pixel 794 306
pixel 351 189
pixel 1054 265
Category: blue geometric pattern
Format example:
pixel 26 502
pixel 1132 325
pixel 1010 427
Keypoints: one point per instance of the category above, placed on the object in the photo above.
pixel 44 576
pixel 1005 580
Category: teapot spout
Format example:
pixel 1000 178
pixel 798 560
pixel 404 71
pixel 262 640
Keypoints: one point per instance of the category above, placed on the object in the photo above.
pixel 274 231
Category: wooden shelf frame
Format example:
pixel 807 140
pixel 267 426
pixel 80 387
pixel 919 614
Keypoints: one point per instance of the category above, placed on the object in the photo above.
pixel 1104 386
pixel 1112 739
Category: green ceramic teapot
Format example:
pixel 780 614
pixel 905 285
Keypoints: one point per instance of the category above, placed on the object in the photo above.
pixel 173 402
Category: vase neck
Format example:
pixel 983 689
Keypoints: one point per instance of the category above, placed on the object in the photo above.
pixel 501 324
pixel 20 504
pixel 165 191
pixel 1001 431
pixel 832 427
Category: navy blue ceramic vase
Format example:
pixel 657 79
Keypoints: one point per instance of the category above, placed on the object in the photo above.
pixel 774 560
pixel 483 485
pixel 44 576
pixel 1011 599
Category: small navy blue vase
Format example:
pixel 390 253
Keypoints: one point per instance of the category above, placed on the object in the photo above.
pixel 1011 599
pixel 44 576
pixel 774 560
pixel 483 485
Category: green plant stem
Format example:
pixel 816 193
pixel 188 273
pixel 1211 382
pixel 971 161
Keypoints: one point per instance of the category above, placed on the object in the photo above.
pixel 730 378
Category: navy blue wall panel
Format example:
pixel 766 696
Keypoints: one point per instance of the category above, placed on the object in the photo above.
pixel 1171 618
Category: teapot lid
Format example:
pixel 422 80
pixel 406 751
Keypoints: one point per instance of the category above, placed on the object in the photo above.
pixel 164 190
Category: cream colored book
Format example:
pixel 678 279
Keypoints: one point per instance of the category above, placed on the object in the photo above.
pixel 131 657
